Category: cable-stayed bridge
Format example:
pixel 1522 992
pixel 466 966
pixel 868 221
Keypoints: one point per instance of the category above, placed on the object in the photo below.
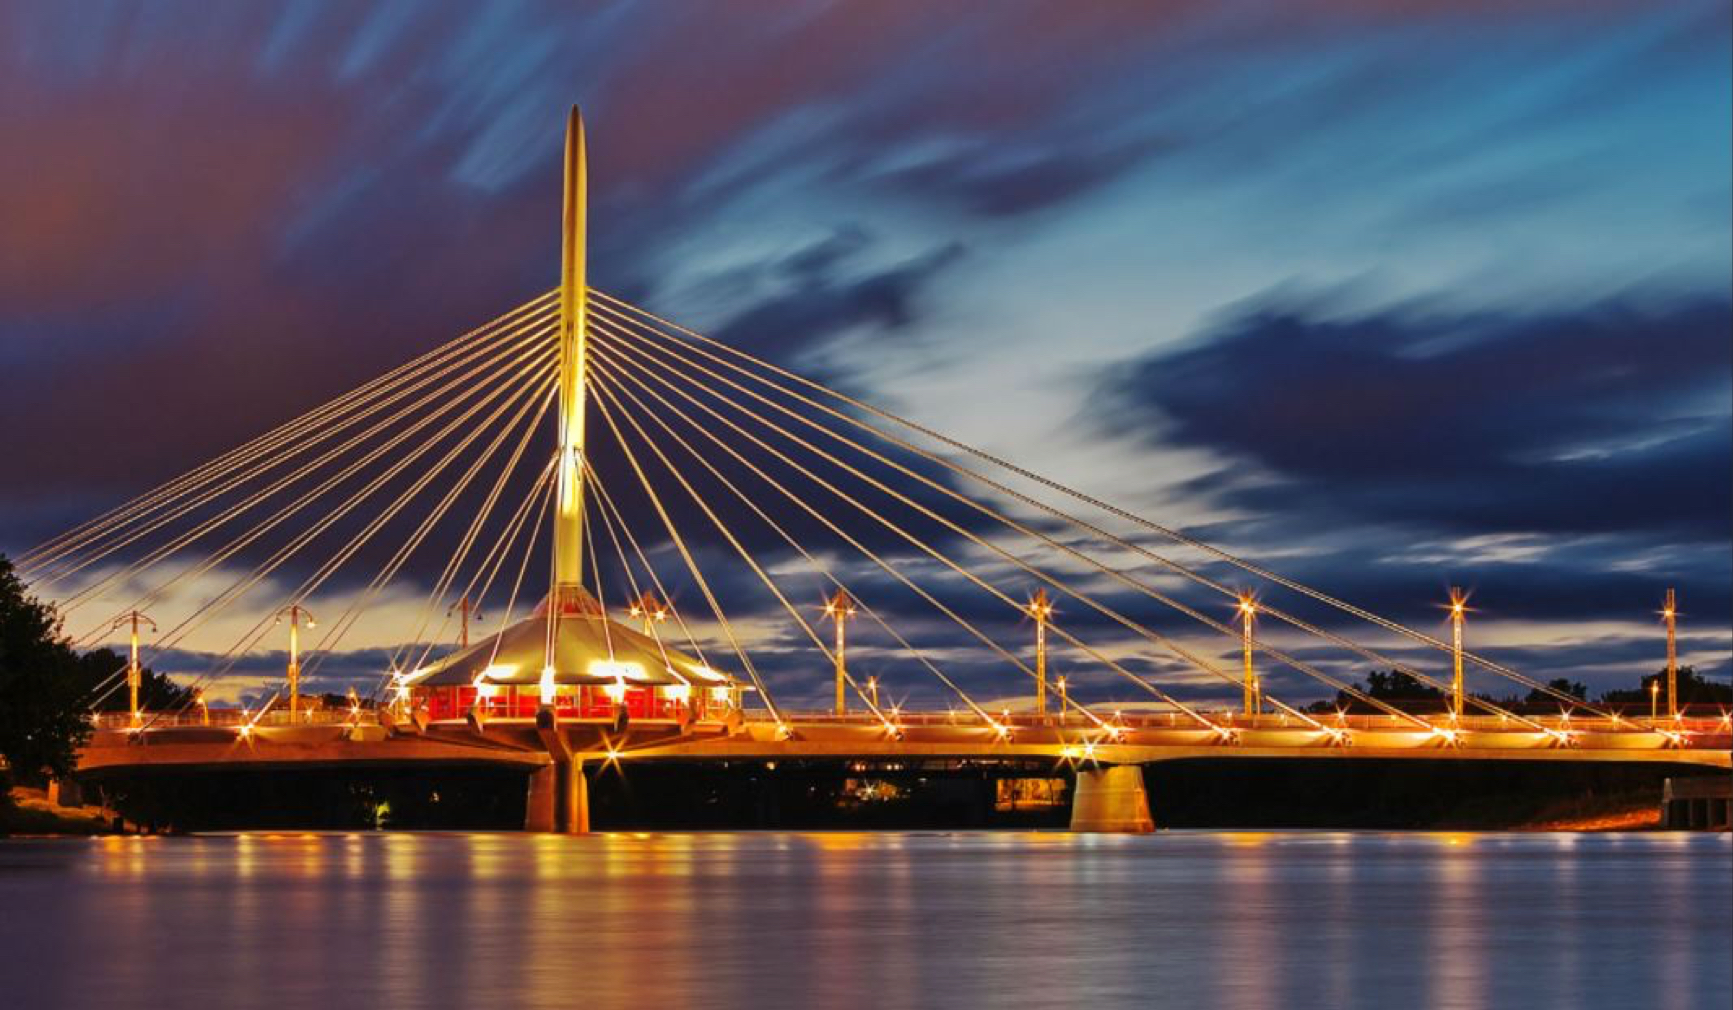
pixel 724 559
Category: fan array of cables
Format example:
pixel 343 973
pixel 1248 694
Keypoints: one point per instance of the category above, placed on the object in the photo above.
pixel 740 493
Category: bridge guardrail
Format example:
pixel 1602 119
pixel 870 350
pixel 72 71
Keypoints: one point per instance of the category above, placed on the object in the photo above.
pixel 235 717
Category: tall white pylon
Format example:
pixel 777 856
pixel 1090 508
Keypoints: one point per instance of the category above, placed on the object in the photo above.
pixel 569 514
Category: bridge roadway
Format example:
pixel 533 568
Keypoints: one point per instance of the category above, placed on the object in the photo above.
pixel 553 753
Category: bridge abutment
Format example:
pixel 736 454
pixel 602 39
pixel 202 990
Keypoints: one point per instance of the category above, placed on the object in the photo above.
pixel 1111 800
pixel 1698 803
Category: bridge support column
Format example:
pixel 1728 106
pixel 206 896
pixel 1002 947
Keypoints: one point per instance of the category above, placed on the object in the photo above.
pixel 539 803
pixel 1111 800
pixel 558 799
pixel 572 806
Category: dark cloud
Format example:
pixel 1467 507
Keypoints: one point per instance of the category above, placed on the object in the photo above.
pixel 985 180
pixel 824 302
pixel 1609 418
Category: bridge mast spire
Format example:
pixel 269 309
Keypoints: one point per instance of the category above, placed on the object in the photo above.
pixel 569 515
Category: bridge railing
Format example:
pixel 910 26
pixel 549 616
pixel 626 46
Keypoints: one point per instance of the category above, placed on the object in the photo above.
pixel 1073 719
pixel 235 718
pixel 1695 725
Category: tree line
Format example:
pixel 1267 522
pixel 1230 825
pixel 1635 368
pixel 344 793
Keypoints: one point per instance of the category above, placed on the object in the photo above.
pixel 48 688
pixel 1400 689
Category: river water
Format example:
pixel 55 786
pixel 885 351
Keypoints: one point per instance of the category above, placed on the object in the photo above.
pixel 1181 919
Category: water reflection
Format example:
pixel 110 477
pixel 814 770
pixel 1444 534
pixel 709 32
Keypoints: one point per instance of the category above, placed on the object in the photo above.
pixel 846 920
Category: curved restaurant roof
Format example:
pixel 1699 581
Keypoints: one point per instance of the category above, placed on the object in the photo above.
pixel 590 649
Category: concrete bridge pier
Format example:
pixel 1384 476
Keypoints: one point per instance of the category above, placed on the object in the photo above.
pixel 539 801
pixel 559 795
pixel 572 806
pixel 558 799
pixel 1111 799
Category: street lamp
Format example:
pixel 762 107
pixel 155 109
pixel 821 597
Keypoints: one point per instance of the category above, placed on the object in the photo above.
pixel 649 609
pixel 1670 613
pixel 295 613
pixel 134 673
pixel 470 611
pixel 840 608
pixel 1040 608
pixel 1254 693
pixel 1458 612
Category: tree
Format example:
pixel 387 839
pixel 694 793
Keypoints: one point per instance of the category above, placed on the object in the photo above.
pixel 42 713
pixel 101 675
pixel 1393 686
pixel 1694 689
pixel 1563 685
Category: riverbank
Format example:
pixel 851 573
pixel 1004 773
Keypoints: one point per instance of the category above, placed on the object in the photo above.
pixel 29 813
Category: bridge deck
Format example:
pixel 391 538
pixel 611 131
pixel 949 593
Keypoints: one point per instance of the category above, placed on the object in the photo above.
pixel 516 742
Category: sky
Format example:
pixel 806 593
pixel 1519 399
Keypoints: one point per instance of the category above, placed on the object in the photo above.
pixel 1387 296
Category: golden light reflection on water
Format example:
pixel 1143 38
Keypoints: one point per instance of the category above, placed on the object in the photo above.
pixel 1458 969
pixel 1231 919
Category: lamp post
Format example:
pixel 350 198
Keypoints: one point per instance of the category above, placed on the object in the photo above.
pixel 468 611
pixel 295 613
pixel 840 608
pixel 1458 612
pixel 1254 694
pixel 1040 607
pixel 649 609
pixel 1671 614
pixel 1654 700
pixel 1064 701
pixel 134 673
